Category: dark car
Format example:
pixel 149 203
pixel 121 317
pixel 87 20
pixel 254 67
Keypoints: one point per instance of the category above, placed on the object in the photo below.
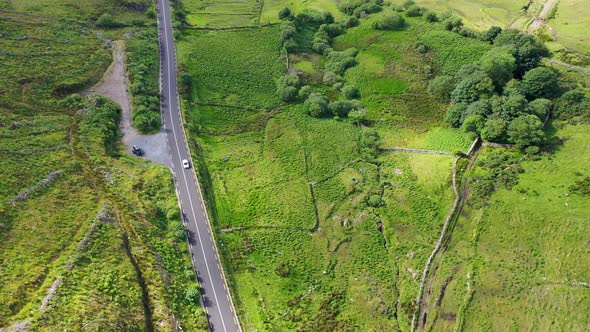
pixel 137 151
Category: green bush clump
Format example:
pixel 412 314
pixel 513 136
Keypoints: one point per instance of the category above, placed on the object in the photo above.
pixel 316 105
pixel 337 62
pixel 143 59
pixel 104 116
pixel 391 21
pixel 288 87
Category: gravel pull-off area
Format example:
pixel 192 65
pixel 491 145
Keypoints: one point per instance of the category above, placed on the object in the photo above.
pixel 115 86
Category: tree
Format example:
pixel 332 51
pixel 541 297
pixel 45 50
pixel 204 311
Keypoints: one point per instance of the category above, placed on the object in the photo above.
pixel 392 21
pixel 526 49
pixel 509 107
pixel 539 107
pixel 284 13
pixel 525 130
pixel 304 92
pixel 499 64
pixel 472 88
pixel 474 124
pixel 441 87
pixel 316 105
pixel 341 108
pixel 512 88
pixel 539 82
pixel 358 115
pixel 494 130
pixel 288 86
pixel 491 34
pixel 455 114
pixel 481 107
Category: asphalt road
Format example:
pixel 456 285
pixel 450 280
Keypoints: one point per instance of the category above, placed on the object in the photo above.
pixel 215 294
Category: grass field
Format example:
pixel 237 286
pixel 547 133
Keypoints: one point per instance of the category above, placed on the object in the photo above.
pixel 515 266
pixel 570 21
pixel 290 192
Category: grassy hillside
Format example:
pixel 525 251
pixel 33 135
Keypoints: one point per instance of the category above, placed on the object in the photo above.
pixel 89 238
pixel 290 193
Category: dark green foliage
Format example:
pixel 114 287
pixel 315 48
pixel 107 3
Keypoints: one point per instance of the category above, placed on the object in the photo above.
pixel 494 130
pixel 321 42
pixel 341 108
pixel 374 200
pixel 491 34
pixel 72 102
pixel 540 82
pixel 430 16
pixel 453 23
pixel 314 16
pixel 282 270
pixel 366 9
pixel 316 105
pixel 349 21
pixel 284 13
pixel 455 113
pixel 509 107
pixel 288 87
pixel 539 107
pixel 526 49
pixel 332 29
pixel 472 88
pixel 350 92
pixel 481 107
pixel 304 92
pixel 512 88
pixel 526 130
pixel 572 104
pixel 442 87
pixel 414 11
pixel 143 63
pixel 338 62
pixel 106 21
pixel 474 124
pixel 193 294
pixel 287 33
pixel 581 186
pixel 390 21
pixel 500 170
pixel 360 8
pixel 499 64
pixel 104 116
pixel 331 78
pixel 369 144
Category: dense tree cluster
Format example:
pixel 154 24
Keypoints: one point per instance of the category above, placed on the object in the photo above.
pixel 390 21
pixel 495 98
pixel 360 8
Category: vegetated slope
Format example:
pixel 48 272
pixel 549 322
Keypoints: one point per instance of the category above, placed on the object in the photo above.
pixel 88 237
pixel 298 201
pixel 521 260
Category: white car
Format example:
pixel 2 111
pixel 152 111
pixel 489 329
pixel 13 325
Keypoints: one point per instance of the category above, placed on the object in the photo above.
pixel 186 164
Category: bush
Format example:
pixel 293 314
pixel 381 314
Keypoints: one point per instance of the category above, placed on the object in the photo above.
pixel 284 13
pixel 338 62
pixel 316 105
pixel 304 92
pixel 441 87
pixel 375 200
pixel 414 11
pixel 491 34
pixel 430 16
pixel 390 21
pixel 106 21
pixel 571 104
pixel 341 108
pixel 287 87
pixel 349 21
pixel 455 114
pixel 539 107
pixel 350 92
pixel 314 16
pixel 452 23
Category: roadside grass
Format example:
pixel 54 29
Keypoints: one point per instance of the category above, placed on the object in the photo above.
pixel 526 266
pixel 242 75
pixel 271 8
pixel 107 275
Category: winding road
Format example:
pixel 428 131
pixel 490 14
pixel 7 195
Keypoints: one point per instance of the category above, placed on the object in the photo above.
pixel 216 297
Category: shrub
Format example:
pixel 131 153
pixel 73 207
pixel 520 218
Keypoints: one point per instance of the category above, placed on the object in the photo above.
pixel 390 21
pixel 452 23
pixel 314 16
pixel 316 105
pixel 491 34
pixel 284 13
pixel 375 200
pixel 430 16
pixel 455 113
pixel 338 62
pixel 414 11
pixel 304 92
pixel 350 92
pixel 349 21
pixel 539 107
pixel 287 87
pixel 106 21
pixel 441 87
pixel 341 108
pixel 571 104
